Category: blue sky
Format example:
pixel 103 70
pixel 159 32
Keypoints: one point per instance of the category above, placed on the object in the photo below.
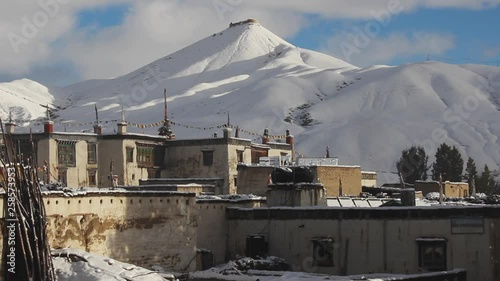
pixel 103 39
pixel 102 17
pixel 474 33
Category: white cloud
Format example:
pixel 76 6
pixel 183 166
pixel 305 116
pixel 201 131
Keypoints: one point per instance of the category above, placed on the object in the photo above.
pixel 360 49
pixel 154 28
pixel 157 28
pixel 29 28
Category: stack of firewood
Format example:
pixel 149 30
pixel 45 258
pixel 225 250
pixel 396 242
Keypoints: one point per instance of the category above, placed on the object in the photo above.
pixel 26 252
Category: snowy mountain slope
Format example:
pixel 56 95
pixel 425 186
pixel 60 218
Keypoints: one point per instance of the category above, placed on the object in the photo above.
pixel 22 98
pixel 366 116
pixel 390 109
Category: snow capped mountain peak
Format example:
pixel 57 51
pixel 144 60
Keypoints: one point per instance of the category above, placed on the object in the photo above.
pixel 22 99
pixel 366 116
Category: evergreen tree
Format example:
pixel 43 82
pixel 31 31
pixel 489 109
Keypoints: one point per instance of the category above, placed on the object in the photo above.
pixel 413 164
pixel 486 182
pixel 449 164
pixel 470 170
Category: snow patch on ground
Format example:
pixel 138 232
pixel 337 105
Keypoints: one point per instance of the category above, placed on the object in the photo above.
pixel 78 265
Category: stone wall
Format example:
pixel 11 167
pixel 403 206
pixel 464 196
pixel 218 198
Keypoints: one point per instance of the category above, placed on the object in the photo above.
pixel 331 176
pixel 142 228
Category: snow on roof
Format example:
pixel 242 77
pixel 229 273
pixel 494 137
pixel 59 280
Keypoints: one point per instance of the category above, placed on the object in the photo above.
pixel 78 265
pixel 230 197
pixel 67 192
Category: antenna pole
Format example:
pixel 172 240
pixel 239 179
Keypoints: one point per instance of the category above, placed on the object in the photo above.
pixel 166 105
pixel 96 114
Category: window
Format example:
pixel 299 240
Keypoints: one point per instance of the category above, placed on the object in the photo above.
pixel 240 156
pixel 323 252
pixel 25 149
pixel 208 158
pixel 256 246
pixel 92 177
pixel 145 155
pixel 62 177
pixel 130 154
pixel 432 254
pixel 91 153
pixel 66 153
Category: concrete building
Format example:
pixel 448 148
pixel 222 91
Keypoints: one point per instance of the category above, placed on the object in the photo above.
pixel 348 241
pixel 339 180
pixel 92 159
pixel 368 179
pixel 217 158
pixel 450 189
pixel 296 195
pixel 253 179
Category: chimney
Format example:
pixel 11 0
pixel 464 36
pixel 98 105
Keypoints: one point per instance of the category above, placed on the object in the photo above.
pixel 289 138
pixel 98 129
pixel 48 127
pixel 9 127
pixel 237 132
pixel 227 133
pixel 122 126
pixel 265 137
pixel 407 196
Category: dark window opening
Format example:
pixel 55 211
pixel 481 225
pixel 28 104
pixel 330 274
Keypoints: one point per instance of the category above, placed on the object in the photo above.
pixel 256 246
pixel 92 177
pixel 62 177
pixel 208 158
pixel 432 254
pixel 91 153
pixel 323 252
pixel 240 156
pixel 130 154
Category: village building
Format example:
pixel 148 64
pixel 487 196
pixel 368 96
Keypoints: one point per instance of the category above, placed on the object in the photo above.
pixel 450 189
pixel 338 180
pixel 123 159
pixel 368 178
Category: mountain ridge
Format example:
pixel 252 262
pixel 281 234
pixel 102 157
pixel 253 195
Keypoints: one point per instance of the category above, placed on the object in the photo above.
pixel 366 116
